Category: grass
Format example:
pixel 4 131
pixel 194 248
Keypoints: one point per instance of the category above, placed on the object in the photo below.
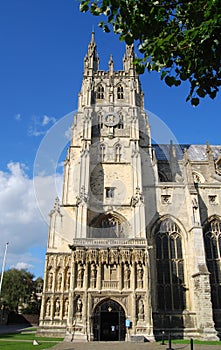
pixel 26 336
pixel 6 345
pixel 24 341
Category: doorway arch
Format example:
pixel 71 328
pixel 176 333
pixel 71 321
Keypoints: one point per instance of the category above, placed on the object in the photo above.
pixel 109 321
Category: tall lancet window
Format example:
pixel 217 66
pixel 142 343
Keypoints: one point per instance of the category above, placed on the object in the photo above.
pixel 100 92
pixel 121 122
pixel 118 153
pixel 212 242
pixel 100 121
pixel 170 267
pixel 102 152
pixel 120 92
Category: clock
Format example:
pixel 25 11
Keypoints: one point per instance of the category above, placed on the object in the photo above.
pixel 111 119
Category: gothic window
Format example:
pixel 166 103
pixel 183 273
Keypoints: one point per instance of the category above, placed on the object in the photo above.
pixel 162 177
pixel 121 122
pixel 197 177
pixel 212 242
pixel 170 267
pixel 102 152
pixel 118 153
pixel 109 192
pixel 100 121
pixel 100 92
pixel 120 92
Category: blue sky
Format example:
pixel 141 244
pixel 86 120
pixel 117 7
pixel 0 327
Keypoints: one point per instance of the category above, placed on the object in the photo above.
pixel 43 44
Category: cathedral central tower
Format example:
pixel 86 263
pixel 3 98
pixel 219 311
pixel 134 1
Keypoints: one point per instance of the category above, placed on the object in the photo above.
pixel 125 255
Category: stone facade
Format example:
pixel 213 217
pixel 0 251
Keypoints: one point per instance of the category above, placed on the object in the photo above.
pixel 134 247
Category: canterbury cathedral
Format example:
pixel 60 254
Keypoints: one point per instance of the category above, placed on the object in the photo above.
pixel 134 244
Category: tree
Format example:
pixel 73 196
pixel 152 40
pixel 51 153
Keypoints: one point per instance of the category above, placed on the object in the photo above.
pixel 179 39
pixel 18 289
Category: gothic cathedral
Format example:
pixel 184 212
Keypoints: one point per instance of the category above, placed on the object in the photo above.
pixel 134 247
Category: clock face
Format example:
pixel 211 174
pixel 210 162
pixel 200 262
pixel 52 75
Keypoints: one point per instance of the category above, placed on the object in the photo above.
pixel 111 119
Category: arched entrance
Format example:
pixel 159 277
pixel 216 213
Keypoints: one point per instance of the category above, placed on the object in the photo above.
pixel 109 322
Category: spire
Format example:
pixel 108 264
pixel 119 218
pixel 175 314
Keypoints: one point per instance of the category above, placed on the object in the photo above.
pixel 111 65
pixel 91 61
pixel 128 58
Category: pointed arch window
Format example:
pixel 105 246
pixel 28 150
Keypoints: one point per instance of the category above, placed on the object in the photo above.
pixel 120 92
pixel 212 242
pixel 100 121
pixel 121 122
pixel 100 92
pixel 170 267
pixel 102 152
pixel 118 153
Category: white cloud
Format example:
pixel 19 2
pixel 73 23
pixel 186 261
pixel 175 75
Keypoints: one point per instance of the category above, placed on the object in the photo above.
pixel 47 120
pixel 18 117
pixel 39 124
pixel 23 265
pixel 21 222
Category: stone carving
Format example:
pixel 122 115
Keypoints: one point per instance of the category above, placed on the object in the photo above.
pixel 125 256
pixel 140 310
pixel 59 281
pixel 195 208
pixel 93 276
pixel 57 208
pixel 79 309
pixel 66 303
pixel 57 307
pixel 50 280
pixel 103 256
pixel 138 256
pixel 138 199
pixel 92 256
pixel 126 276
pixel 79 256
pixel 68 278
pixel 113 256
pixel 82 199
pixel 48 308
pixel 139 276
pixel 80 276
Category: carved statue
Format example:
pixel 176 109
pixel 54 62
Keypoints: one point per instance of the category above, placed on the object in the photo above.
pixel 57 307
pixel 80 276
pixel 93 275
pixel 140 309
pixel 48 308
pixel 126 276
pixel 139 276
pixel 50 280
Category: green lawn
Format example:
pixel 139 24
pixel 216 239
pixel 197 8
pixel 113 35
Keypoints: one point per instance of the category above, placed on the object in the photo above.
pixel 24 341
pixel 13 345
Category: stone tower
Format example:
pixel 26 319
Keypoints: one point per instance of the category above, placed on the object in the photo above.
pixel 116 263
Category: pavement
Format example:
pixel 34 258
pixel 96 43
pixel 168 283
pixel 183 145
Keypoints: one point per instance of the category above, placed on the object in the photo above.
pixel 113 345
pixel 131 346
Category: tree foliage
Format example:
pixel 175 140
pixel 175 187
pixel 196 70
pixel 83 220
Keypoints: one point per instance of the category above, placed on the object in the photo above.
pixel 179 39
pixel 19 291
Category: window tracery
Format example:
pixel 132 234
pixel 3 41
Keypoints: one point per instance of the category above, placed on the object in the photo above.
pixel 170 267
pixel 120 92
pixel 212 242
pixel 100 92
pixel 102 152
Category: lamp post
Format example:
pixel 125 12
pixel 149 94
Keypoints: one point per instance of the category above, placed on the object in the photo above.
pixel 3 266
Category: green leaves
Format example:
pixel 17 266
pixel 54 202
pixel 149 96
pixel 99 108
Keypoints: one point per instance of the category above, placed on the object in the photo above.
pixel 179 39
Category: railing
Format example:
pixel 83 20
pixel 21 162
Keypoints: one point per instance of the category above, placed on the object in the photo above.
pixel 109 242
pixel 110 284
